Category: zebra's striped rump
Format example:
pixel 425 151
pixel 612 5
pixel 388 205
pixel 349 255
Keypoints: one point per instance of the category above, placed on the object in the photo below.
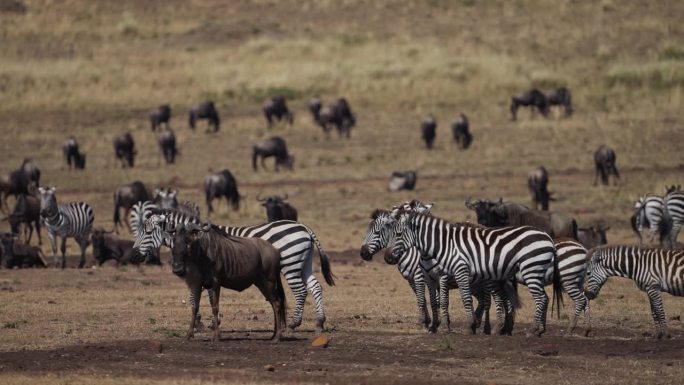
pixel 653 270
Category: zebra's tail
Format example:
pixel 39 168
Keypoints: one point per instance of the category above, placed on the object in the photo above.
pixel 117 216
pixel 665 225
pixel 325 262
pixel 283 299
pixel 511 290
pixel 557 287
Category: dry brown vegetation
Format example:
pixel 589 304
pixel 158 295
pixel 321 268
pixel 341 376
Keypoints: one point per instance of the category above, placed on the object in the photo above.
pixel 96 69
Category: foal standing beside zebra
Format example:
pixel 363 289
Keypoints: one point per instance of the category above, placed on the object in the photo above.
pixel 653 270
pixel 293 240
pixel 73 219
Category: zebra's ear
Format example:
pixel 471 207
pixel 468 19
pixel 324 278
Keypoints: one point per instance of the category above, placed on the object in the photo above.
pixel 41 190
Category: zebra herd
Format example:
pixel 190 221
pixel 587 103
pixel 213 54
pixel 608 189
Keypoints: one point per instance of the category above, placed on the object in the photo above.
pixel 663 216
pixel 484 262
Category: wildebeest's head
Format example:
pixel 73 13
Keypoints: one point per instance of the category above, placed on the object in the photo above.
pixel 183 239
pixel 488 213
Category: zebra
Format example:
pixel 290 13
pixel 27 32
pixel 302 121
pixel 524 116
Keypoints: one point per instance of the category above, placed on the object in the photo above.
pixel 674 214
pixel 73 219
pixel 295 242
pixel 572 265
pixel 419 273
pixel 465 250
pixel 649 211
pixel 653 270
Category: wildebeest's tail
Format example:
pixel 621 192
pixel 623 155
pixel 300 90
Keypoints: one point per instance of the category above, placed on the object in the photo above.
pixel 325 262
pixel 41 257
pixel 575 236
pixel 557 286
pixel 254 158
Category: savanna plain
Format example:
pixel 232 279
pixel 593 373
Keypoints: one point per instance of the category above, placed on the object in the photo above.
pixel 96 69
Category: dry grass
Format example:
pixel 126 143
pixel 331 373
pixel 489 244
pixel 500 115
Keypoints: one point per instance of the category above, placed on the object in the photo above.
pixel 96 69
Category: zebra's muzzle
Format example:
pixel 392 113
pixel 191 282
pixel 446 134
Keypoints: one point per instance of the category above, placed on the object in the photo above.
pixel 366 253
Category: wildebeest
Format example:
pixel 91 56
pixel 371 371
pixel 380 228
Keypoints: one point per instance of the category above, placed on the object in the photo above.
pixel 205 110
pixel 497 214
pixel 72 155
pixel 277 209
pixel 167 146
pixel 532 98
pixel 402 180
pixel 537 183
pixel 26 211
pixel 460 129
pixel 107 245
pixel 124 149
pixel 276 107
pixel 207 258
pixel 23 180
pixel 604 161
pixel 315 105
pixel 593 236
pixel 275 147
pixel 125 197
pixel 17 254
pixel 161 115
pixel 337 114
pixel 167 198
pixel 561 97
pixel 221 184
pixel 428 129
pixel 32 172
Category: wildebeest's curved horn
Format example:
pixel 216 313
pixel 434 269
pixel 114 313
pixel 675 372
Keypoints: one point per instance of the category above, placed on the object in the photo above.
pixel 285 197
pixel 468 204
pixel 258 198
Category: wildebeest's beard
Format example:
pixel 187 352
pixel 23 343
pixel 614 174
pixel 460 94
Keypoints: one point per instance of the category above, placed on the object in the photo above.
pixel 180 251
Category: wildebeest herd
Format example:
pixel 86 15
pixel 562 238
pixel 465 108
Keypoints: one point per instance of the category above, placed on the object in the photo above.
pixel 510 245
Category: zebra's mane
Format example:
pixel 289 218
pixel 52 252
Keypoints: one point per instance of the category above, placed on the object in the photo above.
pixel 379 212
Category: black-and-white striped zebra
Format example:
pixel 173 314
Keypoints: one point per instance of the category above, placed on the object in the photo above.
pixel 674 214
pixel 649 211
pixel 73 219
pixel 420 273
pixel 653 270
pixel 462 251
pixel 572 265
pixel 295 242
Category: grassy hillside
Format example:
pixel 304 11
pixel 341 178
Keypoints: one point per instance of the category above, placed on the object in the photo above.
pixel 96 69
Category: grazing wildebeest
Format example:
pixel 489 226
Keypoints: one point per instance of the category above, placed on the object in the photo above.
pixel 124 149
pixel 26 211
pixel 339 115
pixel 221 184
pixel 560 97
pixel 532 98
pixel 205 110
pixel 125 197
pixel 276 107
pixel 21 255
pixel 593 236
pixel 537 183
pixel 207 258
pixel 428 129
pixel 107 245
pixel 604 161
pixel 402 180
pixel 161 115
pixel 72 155
pixel 275 147
pixel 167 146
pixel 460 129
pixel 498 214
pixel 315 105
pixel 167 198
pixel 277 209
